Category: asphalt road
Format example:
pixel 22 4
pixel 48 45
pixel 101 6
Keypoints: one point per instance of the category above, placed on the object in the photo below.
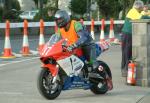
pixel 16 42
pixel 18 83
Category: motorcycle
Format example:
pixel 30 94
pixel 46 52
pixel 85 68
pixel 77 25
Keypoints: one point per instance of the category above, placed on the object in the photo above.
pixel 64 70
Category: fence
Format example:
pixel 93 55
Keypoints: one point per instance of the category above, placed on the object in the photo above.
pixel 16 28
pixel 36 25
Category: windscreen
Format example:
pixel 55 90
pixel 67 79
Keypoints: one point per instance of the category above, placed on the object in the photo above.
pixel 54 39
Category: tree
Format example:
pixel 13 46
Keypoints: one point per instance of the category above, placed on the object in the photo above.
pixel 1 13
pixel 7 4
pixel 109 8
pixel 52 3
pixel 36 3
pixel 146 1
pixel 11 8
pixel 56 3
pixel 15 5
pixel 11 4
pixel 51 6
pixel 78 6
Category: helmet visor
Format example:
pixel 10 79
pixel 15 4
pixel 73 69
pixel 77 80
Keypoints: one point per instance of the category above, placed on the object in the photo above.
pixel 60 22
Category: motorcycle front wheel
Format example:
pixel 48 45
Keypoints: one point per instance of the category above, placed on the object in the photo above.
pixel 45 86
pixel 100 86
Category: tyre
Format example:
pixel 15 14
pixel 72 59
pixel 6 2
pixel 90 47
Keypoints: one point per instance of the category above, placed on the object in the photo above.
pixel 45 86
pixel 101 86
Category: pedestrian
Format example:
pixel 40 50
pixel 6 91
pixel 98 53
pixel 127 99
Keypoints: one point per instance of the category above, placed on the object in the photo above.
pixel 146 10
pixel 133 14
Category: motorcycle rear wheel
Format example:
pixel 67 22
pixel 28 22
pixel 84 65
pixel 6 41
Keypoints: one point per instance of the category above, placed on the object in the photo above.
pixel 101 87
pixel 45 86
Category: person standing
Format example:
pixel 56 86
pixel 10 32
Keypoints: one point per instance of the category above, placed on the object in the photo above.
pixel 133 14
pixel 146 10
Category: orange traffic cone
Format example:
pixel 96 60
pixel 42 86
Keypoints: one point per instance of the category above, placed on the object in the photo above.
pixel 25 49
pixel 7 46
pixel 92 29
pixel 111 32
pixel 41 37
pixel 102 36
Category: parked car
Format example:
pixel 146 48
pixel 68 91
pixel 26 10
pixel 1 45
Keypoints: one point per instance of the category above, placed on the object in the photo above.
pixel 29 15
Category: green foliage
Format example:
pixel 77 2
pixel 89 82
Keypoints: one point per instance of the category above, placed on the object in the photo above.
pixel 109 8
pixel 10 10
pixel 44 14
pixel 45 1
pixel 78 6
pixel 38 1
pixel 48 7
pixel 1 14
pixel 15 5
pixel 145 1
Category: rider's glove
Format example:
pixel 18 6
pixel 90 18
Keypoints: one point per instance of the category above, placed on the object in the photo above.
pixel 71 47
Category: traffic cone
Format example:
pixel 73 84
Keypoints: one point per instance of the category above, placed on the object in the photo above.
pixel 25 49
pixel 92 29
pixel 102 36
pixel 111 32
pixel 41 37
pixel 7 46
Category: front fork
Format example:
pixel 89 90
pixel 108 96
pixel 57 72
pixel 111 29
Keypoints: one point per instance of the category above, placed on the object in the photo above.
pixel 53 68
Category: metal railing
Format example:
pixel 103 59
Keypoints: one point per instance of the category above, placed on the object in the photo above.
pixel 37 24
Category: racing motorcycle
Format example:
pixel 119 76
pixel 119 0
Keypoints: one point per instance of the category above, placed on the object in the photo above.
pixel 64 70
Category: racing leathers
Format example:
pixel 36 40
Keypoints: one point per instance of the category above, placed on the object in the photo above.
pixel 78 36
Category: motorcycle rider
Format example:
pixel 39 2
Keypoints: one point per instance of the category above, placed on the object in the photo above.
pixel 77 36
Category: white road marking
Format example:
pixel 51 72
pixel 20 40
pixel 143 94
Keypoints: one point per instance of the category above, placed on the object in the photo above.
pixel 17 55
pixel 11 93
pixel 14 62
pixel 34 52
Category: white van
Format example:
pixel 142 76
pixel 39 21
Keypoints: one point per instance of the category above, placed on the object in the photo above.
pixel 29 15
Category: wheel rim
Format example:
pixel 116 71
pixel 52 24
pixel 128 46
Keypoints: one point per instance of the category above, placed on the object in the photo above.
pixel 48 86
pixel 102 86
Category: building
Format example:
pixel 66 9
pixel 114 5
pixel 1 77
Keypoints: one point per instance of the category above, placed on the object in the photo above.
pixel 27 5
